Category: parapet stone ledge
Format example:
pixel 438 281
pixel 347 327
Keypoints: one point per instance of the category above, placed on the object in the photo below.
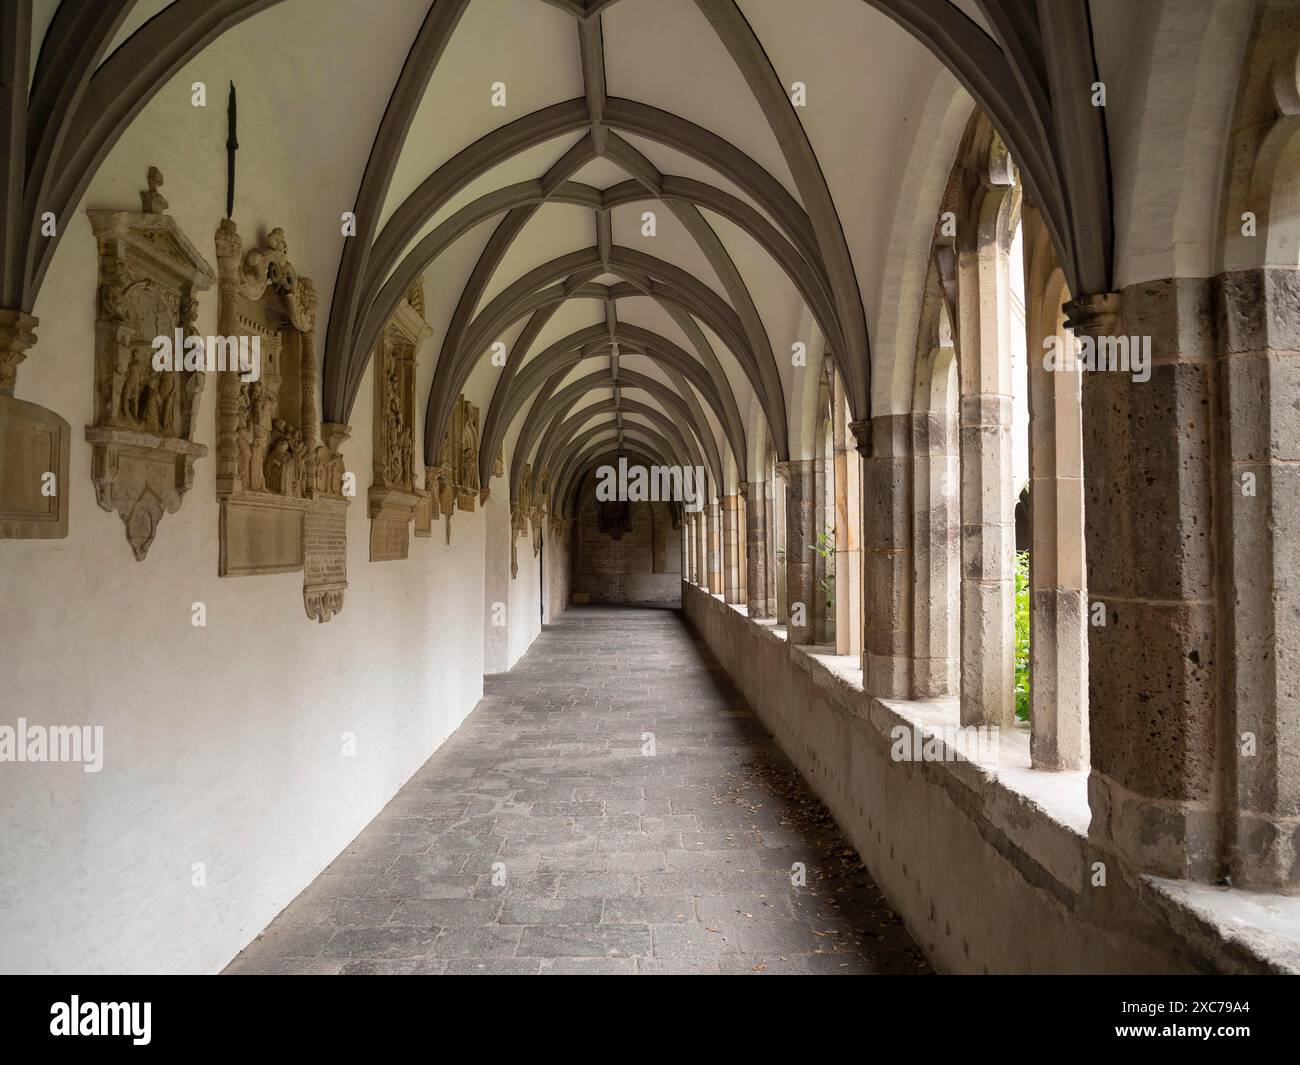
pixel 1045 813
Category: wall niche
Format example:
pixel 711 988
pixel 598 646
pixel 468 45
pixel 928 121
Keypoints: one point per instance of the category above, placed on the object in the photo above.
pixel 146 411
pixel 280 487
pixel 395 499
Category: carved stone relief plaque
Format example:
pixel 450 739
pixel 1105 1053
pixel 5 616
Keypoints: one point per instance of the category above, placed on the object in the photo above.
pixel 538 512
pixel 456 475
pixel 147 397
pixel 395 494
pixel 519 509
pixel 467 483
pixel 280 487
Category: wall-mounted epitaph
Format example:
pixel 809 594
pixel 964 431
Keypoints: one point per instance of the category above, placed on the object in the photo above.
pixel 395 495
pixel 280 487
pixel 150 365
pixel 35 444
pixel 538 511
pixel 456 476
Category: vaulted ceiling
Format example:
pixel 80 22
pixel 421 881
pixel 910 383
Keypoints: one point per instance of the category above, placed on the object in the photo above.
pixel 620 199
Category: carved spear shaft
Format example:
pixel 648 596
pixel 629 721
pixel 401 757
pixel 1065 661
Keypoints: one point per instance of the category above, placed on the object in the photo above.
pixel 232 145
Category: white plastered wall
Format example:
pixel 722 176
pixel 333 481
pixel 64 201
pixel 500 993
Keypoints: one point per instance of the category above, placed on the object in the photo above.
pixel 223 744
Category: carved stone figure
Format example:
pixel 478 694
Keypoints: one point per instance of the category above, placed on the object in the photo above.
pixel 444 490
pixel 518 524
pixel 151 200
pixel 143 448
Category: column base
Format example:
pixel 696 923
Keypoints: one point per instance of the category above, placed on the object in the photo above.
pixel 1176 839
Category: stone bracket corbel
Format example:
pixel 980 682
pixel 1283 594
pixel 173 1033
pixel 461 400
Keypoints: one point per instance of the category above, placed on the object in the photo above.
pixel 141 477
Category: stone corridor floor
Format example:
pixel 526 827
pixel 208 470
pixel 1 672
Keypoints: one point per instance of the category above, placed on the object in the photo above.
pixel 547 836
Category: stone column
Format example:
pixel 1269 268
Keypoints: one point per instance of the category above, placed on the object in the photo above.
pixel 770 492
pixel 1259 530
pixel 780 600
pixel 756 560
pixel 697 574
pixel 742 535
pixel 228 470
pixel 988 529
pixel 1058 614
pixel 715 548
pixel 848 552
pixel 884 442
pixel 702 549
pixel 800 526
pixel 688 553
pixel 730 549
pixel 936 565
pixel 1157 752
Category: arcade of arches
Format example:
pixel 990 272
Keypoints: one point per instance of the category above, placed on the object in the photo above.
pixel 979 322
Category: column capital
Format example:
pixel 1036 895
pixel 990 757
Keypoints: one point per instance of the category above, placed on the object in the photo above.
pixel 861 430
pixel 17 334
pixel 1097 315
pixel 783 470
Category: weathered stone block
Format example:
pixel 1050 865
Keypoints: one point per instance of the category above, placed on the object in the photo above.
pixel 1177 314
pixel 1148 488
pixel 1259 310
pixel 1151 699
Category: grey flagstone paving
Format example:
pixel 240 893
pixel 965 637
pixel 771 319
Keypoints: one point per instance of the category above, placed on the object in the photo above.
pixel 541 839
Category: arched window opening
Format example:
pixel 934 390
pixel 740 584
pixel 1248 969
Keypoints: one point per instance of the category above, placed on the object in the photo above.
pixel 1057 593
pixel 1014 296
pixel 936 519
pixel 985 195
pixel 824 530
pixel 773 529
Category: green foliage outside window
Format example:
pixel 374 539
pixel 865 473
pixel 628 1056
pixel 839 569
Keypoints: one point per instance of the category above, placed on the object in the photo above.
pixel 825 547
pixel 1022 635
